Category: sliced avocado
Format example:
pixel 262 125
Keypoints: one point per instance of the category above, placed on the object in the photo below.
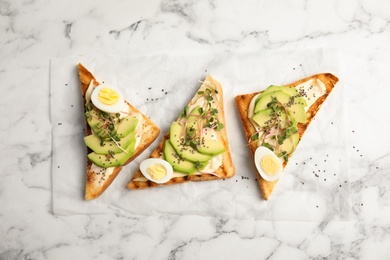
pixel 185 151
pixel 177 163
pixel 298 112
pixel 263 102
pixel 112 160
pixel 123 128
pixel 287 89
pixel 210 147
pixel 300 100
pixel 289 144
pixel 105 147
pixel 267 117
pixel 126 125
pixel 96 124
pixel 295 106
pixel 193 122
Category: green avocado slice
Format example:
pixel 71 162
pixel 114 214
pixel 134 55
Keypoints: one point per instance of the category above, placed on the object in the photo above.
pixel 178 164
pixel 105 147
pixel 185 151
pixel 113 160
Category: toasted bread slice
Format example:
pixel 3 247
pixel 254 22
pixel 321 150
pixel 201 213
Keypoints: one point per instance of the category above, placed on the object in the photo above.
pixel 243 102
pixel 226 170
pixel 95 183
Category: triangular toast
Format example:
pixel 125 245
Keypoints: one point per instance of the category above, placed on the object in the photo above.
pixel 225 170
pixel 147 131
pixel 243 103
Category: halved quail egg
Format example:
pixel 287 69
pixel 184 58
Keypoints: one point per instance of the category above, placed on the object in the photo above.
pixel 156 170
pixel 268 164
pixel 107 99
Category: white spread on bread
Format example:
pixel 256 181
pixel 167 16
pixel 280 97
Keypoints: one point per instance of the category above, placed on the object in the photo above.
pixel 312 89
pixel 101 174
pixel 88 93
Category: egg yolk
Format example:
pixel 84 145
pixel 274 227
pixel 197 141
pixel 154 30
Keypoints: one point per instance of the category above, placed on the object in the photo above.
pixel 157 171
pixel 108 96
pixel 269 164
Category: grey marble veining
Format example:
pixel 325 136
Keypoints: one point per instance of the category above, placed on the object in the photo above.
pixel 34 32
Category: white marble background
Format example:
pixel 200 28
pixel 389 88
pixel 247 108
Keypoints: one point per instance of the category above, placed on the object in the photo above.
pixel 33 32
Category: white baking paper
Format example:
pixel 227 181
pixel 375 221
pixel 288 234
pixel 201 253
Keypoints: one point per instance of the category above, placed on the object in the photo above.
pixel 313 187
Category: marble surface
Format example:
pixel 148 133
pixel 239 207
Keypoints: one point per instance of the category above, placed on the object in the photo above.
pixel 35 32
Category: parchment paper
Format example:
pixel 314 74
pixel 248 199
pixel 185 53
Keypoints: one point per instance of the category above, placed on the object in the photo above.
pixel 314 185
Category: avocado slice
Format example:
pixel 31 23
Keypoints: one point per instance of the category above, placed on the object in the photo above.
pixel 126 125
pixel 263 102
pixel 211 147
pixel 123 128
pixel 177 163
pixel 193 122
pixel 298 112
pixel 96 124
pixel 113 160
pixel 266 117
pixel 295 107
pixel 105 147
pixel 289 144
pixel 185 151
pixel 287 89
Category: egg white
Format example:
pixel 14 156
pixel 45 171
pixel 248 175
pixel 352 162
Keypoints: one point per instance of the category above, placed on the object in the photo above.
pixel 260 152
pixel 152 161
pixel 115 108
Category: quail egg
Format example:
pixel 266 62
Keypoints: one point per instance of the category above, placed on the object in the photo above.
pixel 156 170
pixel 107 99
pixel 268 164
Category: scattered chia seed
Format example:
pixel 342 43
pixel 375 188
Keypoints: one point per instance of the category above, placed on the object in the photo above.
pixel 59 123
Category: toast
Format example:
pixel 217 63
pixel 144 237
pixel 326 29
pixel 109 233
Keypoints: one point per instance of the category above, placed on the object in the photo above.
pixel 226 168
pixel 97 181
pixel 243 104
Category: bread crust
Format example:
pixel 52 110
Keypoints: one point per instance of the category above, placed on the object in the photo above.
pixel 149 134
pixel 243 101
pixel 226 170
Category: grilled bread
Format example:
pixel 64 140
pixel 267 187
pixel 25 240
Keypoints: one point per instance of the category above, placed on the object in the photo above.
pixel 243 102
pixel 97 178
pixel 226 168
